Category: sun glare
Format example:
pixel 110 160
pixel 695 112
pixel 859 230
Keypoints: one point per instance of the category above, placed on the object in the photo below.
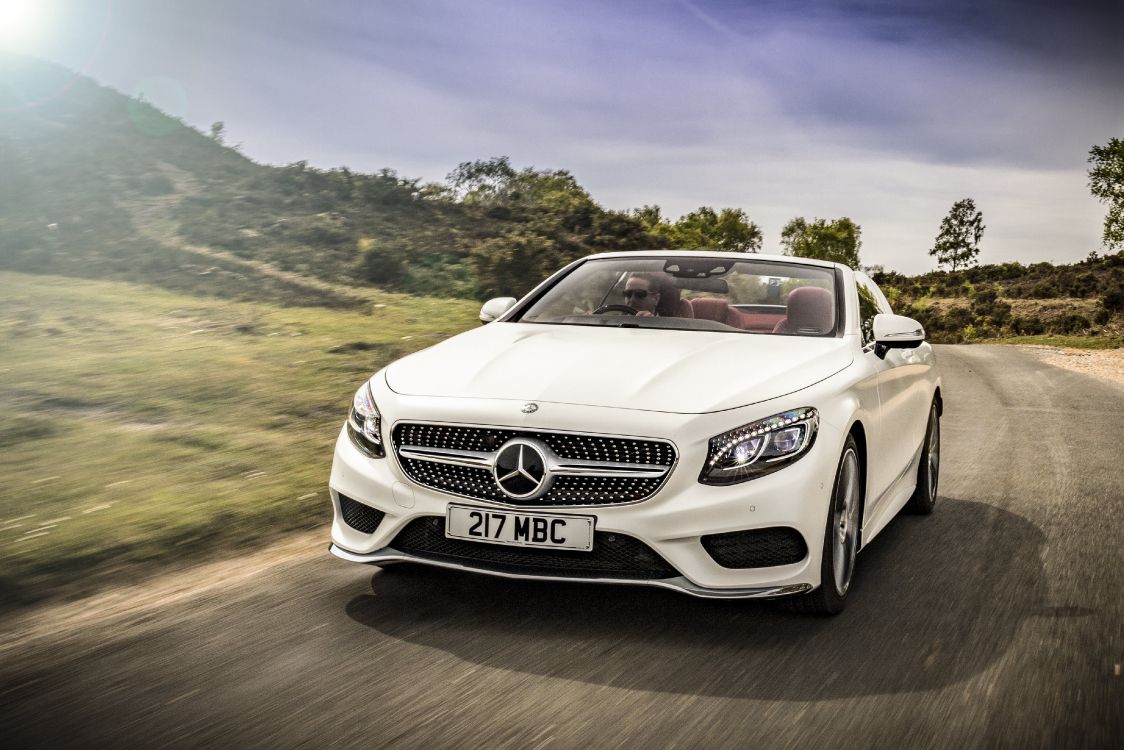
pixel 19 20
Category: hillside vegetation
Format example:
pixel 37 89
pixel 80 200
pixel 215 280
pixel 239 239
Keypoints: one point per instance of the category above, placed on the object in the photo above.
pixel 1084 299
pixel 100 185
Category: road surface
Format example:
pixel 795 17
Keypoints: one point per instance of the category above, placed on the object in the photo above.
pixel 996 622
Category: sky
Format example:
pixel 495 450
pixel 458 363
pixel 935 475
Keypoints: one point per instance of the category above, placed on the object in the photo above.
pixel 884 111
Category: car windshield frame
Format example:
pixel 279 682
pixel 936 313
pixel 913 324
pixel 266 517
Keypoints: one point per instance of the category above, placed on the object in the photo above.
pixel 681 323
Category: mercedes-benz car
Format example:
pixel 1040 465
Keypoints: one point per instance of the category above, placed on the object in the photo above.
pixel 722 424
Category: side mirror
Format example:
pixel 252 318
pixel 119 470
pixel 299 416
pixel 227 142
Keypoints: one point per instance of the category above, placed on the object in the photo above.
pixel 896 332
pixel 494 308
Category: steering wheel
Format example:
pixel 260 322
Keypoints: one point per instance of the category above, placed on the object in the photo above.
pixel 622 309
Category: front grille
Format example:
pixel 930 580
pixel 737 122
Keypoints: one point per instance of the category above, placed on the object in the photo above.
pixel 759 548
pixel 566 445
pixel 359 516
pixel 479 484
pixel 613 555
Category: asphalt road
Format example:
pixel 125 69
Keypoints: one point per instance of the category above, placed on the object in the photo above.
pixel 996 622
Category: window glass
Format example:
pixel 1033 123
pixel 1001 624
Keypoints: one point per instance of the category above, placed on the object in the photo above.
pixel 693 293
pixel 868 307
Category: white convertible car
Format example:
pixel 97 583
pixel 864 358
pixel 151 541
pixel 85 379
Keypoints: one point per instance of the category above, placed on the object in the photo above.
pixel 725 425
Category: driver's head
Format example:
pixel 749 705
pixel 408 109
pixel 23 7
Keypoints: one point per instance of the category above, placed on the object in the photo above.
pixel 641 292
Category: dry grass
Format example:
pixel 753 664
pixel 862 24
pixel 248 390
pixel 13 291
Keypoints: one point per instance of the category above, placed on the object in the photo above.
pixel 140 427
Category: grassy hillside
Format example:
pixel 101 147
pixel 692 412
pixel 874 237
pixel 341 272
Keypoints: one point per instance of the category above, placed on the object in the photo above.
pixel 147 426
pixel 1081 301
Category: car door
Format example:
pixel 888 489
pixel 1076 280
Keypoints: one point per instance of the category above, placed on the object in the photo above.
pixel 901 389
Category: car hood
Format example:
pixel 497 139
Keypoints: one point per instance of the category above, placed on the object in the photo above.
pixel 687 372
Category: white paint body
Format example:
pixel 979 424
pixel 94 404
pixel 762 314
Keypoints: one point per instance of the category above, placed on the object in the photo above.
pixel 681 386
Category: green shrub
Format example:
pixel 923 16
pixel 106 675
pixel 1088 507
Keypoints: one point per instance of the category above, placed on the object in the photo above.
pixel 385 265
pixel 984 296
pixel 1044 290
pixel 1071 323
pixel 1113 299
pixel 1028 326
pixel 958 318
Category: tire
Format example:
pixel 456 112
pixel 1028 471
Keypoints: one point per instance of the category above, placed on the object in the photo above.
pixel 841 538
pixel 924 497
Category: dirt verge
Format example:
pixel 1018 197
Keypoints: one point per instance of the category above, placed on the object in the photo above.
pixel 136 603
pixel 1106 364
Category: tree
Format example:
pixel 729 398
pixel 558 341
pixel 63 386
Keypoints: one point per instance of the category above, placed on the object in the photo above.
pixel 482 181
pixel 551 200
pixel 657 227
pixel 837 241
pixel 513 263
pixel 217 131
pixel 958 242
pixel 533 222
pixel 618 230
pixel 729 229
pixel 1106 181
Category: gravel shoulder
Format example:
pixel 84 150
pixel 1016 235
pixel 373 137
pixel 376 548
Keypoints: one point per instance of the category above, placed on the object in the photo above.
pixel 1105 364
pixel 139 604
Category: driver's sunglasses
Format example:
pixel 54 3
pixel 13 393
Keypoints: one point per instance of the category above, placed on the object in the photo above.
pixel 637 293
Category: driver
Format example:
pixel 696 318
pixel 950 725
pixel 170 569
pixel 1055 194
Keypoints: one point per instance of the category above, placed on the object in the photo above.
pixel 642 294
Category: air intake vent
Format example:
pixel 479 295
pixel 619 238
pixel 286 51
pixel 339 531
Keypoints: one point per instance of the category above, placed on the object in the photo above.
pixel 759 548
pixel 360 517
pixel 613 555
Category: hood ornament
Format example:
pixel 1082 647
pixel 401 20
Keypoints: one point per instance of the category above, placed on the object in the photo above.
pixel 530 407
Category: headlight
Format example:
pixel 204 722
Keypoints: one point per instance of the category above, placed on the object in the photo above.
pixel 364 423
pixel 761 447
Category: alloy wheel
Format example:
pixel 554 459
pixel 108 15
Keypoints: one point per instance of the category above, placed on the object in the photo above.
pixel 934 452
pixel 846 521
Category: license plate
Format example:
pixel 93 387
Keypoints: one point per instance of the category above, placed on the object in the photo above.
pixel 520 529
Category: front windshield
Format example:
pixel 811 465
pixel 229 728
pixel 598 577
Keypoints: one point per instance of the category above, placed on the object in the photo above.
pixel 693 293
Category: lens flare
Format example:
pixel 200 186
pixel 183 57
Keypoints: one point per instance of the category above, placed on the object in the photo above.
pixel 19 20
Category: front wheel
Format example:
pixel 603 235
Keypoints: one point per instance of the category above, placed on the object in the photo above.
pixel 841 538
pixel 924 497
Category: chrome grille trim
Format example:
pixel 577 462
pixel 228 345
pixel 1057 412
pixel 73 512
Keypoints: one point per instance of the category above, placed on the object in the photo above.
pixel 485 460
pixel 577 460
pixel 606 469
pixel 474 459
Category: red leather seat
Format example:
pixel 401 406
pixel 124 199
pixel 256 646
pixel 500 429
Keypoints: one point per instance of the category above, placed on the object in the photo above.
pixel 709 308
pixel 810 310
pixel 757 322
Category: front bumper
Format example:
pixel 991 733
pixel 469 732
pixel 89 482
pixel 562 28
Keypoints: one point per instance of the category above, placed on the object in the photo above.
pixel 671 522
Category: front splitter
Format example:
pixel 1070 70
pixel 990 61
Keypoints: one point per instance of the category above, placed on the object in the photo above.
pixel 679 583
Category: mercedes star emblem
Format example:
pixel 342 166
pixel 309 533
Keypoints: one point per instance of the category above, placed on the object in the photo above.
pixel 520 470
